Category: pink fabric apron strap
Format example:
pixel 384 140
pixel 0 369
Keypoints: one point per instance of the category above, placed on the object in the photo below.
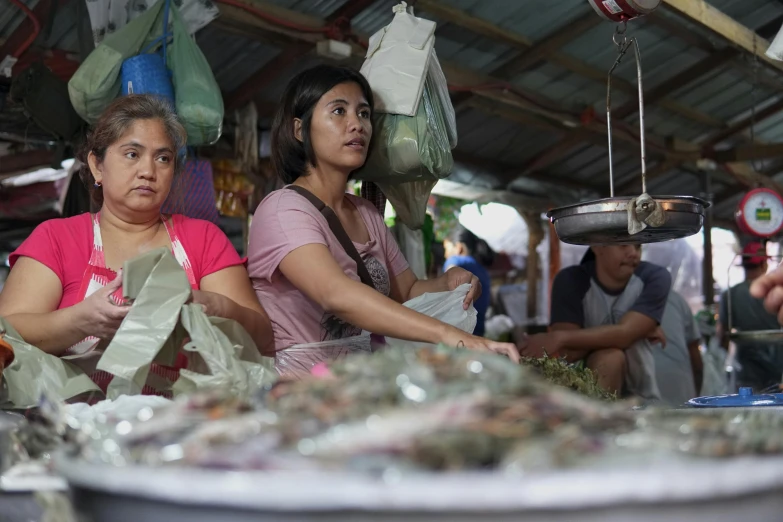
pixel 96 276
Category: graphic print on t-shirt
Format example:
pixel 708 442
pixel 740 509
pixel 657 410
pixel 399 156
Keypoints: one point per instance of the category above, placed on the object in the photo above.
pixel 335 328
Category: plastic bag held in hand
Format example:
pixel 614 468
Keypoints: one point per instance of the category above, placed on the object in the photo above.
pixel 447 307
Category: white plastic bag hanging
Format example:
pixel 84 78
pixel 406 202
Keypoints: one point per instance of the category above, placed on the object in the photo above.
pixel 397 60
pixel 414 125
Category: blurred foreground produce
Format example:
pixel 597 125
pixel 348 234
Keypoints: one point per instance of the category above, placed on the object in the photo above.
pixel 425 409
pixel 578 379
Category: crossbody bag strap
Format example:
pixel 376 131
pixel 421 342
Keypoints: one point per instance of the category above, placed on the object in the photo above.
pixel 339 232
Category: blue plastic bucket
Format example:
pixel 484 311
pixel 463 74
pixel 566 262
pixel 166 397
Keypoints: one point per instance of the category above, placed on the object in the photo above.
pixel 147 74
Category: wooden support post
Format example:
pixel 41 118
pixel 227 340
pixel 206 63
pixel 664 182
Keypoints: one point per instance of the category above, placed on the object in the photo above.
pixel 535 235
pixel 554 258
pixel 708 287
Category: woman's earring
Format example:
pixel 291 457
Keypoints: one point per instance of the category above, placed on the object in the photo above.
pixel 97 183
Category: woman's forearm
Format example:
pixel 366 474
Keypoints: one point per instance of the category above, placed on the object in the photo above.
pixel 423 286
pixel 52 332
pixel 369 310
pixel 257 325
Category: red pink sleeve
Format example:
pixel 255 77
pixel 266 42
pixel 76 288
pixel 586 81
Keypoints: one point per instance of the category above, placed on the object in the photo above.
pixel 218 252
pixel 42 246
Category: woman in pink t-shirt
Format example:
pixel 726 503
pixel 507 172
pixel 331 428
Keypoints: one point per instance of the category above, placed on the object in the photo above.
pixel 61 294
pixel 300 270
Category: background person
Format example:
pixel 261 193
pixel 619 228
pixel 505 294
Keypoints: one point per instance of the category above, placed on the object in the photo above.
pixel 761 362
pixel 604 313
pixel 679 368
pixel 463 249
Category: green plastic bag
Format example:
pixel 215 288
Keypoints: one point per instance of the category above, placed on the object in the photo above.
pixel 197 94
pixel 409 148
pixel 35 372
pixel 221 354
pixel 199 102
pixel 97 81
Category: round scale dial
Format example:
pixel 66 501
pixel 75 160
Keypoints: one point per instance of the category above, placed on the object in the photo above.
pixel 760 213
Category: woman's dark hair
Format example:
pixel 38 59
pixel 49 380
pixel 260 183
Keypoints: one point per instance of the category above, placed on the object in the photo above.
pixel 477 248
pixel 291 157
pixel 115 121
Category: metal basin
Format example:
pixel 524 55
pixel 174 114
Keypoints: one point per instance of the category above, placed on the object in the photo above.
pixel 693 490
pixel 605 221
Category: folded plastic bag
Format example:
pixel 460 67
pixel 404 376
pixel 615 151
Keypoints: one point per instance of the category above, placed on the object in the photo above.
pixel 35 372
pixel 221 354
pixel 227 357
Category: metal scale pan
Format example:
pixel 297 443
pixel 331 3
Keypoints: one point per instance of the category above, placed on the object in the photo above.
pixel 605 221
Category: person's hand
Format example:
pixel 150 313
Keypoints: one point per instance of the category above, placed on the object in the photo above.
pixel 100 314
pixel 770 288
pixel 539 345
pixel 458 339
pixel 658 337
pixel 214 305
pixel 456 277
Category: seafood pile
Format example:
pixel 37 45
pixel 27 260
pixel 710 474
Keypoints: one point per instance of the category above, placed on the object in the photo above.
pixel 429 409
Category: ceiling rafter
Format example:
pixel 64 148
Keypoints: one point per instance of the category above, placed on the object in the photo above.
pixel 477 82
pixel 292 52
pixel 481 27
pixel 719 23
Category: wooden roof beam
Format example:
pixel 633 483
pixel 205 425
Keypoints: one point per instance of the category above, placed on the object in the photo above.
pixel 481 27
pixel 745 123
pixel 265 75
pixel 463 78
pixel 748 152
pixel 705 15
pixel 552 43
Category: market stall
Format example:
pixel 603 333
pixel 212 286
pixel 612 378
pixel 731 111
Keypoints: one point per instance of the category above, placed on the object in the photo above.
pixel 372 427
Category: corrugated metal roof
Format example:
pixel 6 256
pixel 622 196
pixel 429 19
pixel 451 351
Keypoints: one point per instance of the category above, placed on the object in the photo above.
pixel 723 94
pixel 233 58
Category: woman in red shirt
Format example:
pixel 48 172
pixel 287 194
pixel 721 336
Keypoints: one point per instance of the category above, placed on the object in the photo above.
pixel 58 295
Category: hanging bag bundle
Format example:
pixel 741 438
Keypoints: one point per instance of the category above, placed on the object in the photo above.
pixel 414 126
pixel 199 102
pixel 148 72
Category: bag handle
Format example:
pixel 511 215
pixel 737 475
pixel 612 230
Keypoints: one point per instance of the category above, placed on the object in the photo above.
pixel 339 232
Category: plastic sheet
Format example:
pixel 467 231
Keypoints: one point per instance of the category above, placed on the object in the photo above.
pixel 409 200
